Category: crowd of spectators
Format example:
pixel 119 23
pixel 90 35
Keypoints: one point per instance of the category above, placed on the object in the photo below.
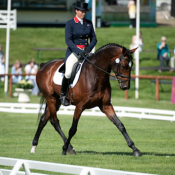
pixel 17 70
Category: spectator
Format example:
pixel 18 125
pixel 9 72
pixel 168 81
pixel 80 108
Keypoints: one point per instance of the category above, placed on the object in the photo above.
pixel 172 62
pixel 132 13
pixel 16 69
pixel 163 53
pixel 134 43
pixel 32 68
pixel 2 65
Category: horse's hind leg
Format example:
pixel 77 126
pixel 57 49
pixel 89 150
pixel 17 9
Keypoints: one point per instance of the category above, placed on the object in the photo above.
pixel 42 123
pixel 54 105
pixel 110 113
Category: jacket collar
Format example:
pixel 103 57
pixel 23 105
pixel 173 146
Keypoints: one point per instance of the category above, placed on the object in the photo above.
pixel 77 20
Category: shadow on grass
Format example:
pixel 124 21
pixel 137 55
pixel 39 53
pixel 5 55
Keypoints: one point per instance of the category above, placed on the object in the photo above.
pixel 126 153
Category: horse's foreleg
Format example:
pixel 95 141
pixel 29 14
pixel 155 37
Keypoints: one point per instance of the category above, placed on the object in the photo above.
pixel 73 129
pixel 110 113
pixel 42 123
pixel 53 105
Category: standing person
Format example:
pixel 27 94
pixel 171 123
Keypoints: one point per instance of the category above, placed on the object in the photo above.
pixel 132 12
pixel 172 63
pixel 2 63
pixel 32 68
pixel 163 52
pixel 77 32
pixel 134 43
pixel 16 69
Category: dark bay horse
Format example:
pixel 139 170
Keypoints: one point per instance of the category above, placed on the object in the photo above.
pixel 93 89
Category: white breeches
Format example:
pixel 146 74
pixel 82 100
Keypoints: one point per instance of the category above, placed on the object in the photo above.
pixel 71 60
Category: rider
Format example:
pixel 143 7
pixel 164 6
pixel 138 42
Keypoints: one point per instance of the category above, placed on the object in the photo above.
pixel 77 32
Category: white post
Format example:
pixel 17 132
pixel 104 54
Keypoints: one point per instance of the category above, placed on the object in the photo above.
pixel 16 167
pixel 94 17
pixel 137 51
pixel 7 45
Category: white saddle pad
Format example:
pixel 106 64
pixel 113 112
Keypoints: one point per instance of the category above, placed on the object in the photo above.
pixel 58 76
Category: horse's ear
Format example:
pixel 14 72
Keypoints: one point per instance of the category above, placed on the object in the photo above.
pixel 133 50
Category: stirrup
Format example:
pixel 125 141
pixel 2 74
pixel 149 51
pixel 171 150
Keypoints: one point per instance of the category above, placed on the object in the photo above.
pixel 64 101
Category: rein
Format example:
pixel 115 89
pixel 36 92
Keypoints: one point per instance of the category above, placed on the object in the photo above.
pixel 99 68
pixel 117 73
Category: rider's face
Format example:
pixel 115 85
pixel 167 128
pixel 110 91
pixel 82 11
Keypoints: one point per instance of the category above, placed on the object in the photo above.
pixel 80 13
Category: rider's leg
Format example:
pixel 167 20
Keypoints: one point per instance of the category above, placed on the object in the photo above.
pixel 71 60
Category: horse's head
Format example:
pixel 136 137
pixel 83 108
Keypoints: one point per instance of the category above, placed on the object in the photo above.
pixel 122 66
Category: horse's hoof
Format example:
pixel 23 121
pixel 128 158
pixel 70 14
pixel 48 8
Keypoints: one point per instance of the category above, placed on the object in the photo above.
pixel 33 149
pixel 64 153
pixel 71 149
pixel 137 153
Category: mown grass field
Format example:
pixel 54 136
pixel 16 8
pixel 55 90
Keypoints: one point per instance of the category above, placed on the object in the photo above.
pixel 98 143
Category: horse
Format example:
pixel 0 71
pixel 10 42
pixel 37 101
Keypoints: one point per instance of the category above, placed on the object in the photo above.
pixel 92 90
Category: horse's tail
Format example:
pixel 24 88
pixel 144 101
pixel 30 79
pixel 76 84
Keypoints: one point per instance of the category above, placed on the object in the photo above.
pixel 42 101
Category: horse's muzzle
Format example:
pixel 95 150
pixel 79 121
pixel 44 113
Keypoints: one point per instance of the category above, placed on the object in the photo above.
pixel 124 86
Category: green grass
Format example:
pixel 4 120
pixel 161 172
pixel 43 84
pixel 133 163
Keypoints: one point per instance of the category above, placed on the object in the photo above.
pixel 98 143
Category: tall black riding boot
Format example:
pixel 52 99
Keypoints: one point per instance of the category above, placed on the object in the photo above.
pixel 64 100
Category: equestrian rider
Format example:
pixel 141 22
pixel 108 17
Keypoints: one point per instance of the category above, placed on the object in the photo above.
pixel 77 32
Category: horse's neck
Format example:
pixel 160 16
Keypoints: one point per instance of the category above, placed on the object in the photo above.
pixel 102 59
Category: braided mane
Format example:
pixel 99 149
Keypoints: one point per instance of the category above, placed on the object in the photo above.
pixel 108 45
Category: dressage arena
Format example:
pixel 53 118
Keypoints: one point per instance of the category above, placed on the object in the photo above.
pixel 97 143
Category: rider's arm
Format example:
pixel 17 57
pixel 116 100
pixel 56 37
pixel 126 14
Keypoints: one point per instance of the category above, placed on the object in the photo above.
pixel 93 39
pixel 69 38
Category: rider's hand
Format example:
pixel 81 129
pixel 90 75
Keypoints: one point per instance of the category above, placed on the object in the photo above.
pixel 87 49
pixel 83 53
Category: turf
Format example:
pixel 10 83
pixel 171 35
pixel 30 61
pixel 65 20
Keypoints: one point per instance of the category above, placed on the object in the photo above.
pixel 98 143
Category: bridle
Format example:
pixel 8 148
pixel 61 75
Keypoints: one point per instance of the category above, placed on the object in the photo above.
pixel 117 74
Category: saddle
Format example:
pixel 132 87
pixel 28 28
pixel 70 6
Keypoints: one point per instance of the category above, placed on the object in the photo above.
pixel 75 69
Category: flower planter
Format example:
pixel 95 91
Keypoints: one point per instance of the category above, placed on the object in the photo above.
pixel 23 96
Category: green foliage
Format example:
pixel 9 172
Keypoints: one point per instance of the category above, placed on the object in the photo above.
pixel 25 84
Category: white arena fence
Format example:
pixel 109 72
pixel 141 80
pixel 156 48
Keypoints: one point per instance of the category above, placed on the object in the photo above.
pixel 141 113
pixel 54 167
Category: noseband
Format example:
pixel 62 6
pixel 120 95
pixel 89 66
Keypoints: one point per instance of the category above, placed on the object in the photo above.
pixel 118 74
pixel 117 61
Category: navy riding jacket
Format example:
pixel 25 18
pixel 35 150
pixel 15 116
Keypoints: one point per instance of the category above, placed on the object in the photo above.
pixel 77 35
